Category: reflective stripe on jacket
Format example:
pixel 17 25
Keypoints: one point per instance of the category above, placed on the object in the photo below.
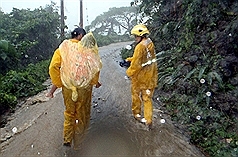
pixel 143 76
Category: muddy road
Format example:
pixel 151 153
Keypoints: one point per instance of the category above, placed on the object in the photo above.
pixel 35 129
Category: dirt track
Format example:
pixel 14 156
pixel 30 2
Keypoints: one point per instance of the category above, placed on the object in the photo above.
pixel 112 132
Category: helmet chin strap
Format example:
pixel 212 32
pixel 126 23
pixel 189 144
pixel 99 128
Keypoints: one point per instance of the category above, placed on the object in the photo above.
pixel 140 39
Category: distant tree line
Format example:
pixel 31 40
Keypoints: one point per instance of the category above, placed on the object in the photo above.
pixel 114 25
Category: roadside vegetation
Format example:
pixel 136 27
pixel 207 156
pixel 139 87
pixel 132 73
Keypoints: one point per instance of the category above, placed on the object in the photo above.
pixel 27 41
pixel 197 52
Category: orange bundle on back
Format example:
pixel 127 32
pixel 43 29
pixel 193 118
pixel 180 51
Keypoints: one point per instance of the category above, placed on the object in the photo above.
pixel 80 63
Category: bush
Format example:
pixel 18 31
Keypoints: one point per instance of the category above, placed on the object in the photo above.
pixel 21 84
pixel 127 51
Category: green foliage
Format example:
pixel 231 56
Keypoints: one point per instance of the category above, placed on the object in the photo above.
pixel 9 58
pixel 126 53
pixel 34 34
pixel 23 83
pixel 7 101
pixel 197 50
pixel 26 38
pixel 103 40
pixel 209 128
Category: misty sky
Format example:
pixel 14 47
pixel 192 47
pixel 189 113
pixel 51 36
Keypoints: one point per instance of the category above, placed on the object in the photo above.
pixel 91 8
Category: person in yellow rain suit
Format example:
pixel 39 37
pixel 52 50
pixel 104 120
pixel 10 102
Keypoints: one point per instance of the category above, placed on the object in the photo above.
pixel 77 113
pixel 143 73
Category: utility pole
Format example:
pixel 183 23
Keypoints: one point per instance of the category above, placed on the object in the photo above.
pixel 81 14
pixel 62 20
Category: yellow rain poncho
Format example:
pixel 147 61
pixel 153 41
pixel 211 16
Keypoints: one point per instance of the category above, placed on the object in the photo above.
pixel 143 78
pixel 80 63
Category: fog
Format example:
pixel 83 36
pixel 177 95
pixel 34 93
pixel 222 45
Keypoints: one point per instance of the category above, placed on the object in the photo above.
pixel 91 8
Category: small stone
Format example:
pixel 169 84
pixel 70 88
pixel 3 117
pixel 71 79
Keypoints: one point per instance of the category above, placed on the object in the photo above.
pixel 95 105
pixel 14 130
pixel 98 111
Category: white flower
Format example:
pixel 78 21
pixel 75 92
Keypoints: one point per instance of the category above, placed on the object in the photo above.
pixel 230 34
pixel 26 56
pixel 210 107
pixel 128 47
pixel 198 117
pixel 157 99
pixel 228 140
pixel 14 130
pixel 162 121
pixel 208 94
pixel 202 81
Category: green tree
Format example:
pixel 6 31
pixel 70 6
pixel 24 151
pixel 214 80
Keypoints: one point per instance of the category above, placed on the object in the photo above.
pixel 115 21
pixel 9 58
pixel 35 34
pixel 27 41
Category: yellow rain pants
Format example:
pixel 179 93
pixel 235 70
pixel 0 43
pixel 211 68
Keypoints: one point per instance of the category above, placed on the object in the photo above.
pixel 143 78
pixel 76 114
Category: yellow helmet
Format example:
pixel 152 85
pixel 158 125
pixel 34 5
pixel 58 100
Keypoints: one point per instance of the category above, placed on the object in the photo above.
pixel 139 30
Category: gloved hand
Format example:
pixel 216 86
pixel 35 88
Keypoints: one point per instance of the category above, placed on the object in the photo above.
pixel 98 85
